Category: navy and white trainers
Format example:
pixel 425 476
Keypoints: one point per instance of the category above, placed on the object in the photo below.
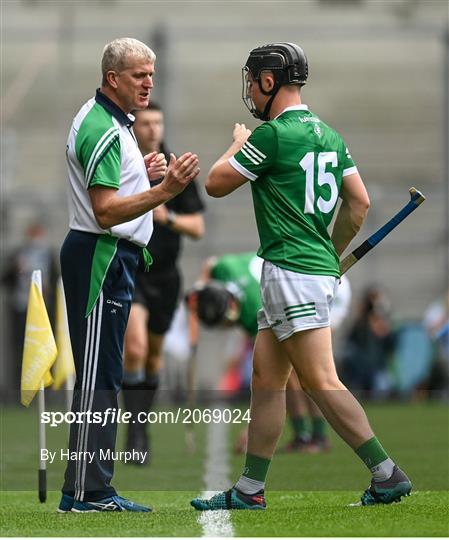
pixel 109 504
pixel 65 504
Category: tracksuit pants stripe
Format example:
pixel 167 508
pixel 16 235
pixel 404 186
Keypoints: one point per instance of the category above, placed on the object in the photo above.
pixel 97 345
pixel 90 367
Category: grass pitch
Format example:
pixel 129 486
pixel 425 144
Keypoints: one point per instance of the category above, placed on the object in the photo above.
pixel 288 514
pixel 307 495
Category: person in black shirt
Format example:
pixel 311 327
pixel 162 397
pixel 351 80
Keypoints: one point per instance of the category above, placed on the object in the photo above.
pixel 157 291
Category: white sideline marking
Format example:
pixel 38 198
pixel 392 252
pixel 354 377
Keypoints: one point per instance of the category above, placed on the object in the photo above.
pixel 216 474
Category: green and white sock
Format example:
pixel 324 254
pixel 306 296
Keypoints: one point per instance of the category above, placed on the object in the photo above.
pixel 299 426
pixel 318 428
pixel 254 473
pixel 376 459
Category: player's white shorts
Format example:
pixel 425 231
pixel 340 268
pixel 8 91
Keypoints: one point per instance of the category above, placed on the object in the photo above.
pixel 292 302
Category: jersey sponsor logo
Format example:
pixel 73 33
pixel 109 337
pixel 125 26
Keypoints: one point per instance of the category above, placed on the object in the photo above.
pixel 304 119
pixel 252 153
pixel 298 311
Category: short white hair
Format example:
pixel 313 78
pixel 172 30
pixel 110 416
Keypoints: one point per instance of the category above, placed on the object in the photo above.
pixel 116 54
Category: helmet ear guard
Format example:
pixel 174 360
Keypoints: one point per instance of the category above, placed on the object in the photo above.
pixel 286 61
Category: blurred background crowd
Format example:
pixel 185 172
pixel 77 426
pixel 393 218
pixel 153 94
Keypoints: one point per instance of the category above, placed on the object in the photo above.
pixel 378 73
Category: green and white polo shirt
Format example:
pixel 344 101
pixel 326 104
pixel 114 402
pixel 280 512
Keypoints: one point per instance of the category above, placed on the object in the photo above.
pixel 296 164
pixel 102 151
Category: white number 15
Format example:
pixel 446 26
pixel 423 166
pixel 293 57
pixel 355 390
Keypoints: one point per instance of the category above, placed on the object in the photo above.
pixel 307 163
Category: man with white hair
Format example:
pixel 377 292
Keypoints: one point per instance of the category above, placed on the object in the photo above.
pixel 111 222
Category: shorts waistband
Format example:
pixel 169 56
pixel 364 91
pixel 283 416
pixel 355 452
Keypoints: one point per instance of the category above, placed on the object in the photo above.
pixel 122 242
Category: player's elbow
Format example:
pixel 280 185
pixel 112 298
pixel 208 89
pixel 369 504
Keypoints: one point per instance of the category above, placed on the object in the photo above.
pixel 364 206
pixel 365 203
pixel 360 208
pixel 213 186
pixel 200 229
pixel 197 231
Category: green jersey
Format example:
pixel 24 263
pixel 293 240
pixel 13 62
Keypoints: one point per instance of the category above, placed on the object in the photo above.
pixel 242 272
pixel 296 163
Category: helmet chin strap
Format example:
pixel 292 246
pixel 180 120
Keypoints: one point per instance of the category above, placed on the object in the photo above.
pixel 265 115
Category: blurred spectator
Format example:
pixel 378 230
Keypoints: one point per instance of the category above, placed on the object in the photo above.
pixel 369 344
pixel 34 254
pixel 436 323
pixel 156 290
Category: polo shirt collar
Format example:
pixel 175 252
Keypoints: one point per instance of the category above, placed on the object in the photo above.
pixel 124 119
pixel 302 107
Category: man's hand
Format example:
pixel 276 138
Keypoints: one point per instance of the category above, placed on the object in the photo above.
pixel 241 134
pixel 223 178
pixel 180 173
pixel 156 165
pixel 160 214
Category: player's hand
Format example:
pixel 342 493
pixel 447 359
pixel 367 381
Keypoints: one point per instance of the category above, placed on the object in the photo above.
pixel 156 165
pixel 160 214
pixel 241 133
pixel 181 171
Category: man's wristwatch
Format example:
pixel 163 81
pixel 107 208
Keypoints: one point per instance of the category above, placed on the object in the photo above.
pixel 171 218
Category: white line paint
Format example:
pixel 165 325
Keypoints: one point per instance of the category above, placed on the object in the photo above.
pixel 216 476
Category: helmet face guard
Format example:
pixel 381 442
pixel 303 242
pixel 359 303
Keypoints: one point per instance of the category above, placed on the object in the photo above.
pixel 246 85
pixel 216 305
pixel 286 61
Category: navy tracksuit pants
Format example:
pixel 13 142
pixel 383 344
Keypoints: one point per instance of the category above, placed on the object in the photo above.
pixel 97 343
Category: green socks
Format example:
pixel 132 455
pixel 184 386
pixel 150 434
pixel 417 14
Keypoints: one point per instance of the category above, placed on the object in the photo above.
pixel 254 473
pixel 318 428
pixel 256 467
pixel 299 426
pixel 376 459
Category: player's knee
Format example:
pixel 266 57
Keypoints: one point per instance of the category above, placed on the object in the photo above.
pixel 135 353
pixel 268 380
pixel 154 364
pixel 320 381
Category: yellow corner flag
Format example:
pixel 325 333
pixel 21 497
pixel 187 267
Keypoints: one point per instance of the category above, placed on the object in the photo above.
pixel 39 351
pixel 64 366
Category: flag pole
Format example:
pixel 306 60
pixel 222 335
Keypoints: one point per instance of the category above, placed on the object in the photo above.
pixel 69 384
pixel 39 354
pixel 42 472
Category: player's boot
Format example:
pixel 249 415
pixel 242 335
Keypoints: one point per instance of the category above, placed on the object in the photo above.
pixel 65 504
pixel 388 491
pixel 297 444
pixel 317 445
pixel 233 499
pixel 109 504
